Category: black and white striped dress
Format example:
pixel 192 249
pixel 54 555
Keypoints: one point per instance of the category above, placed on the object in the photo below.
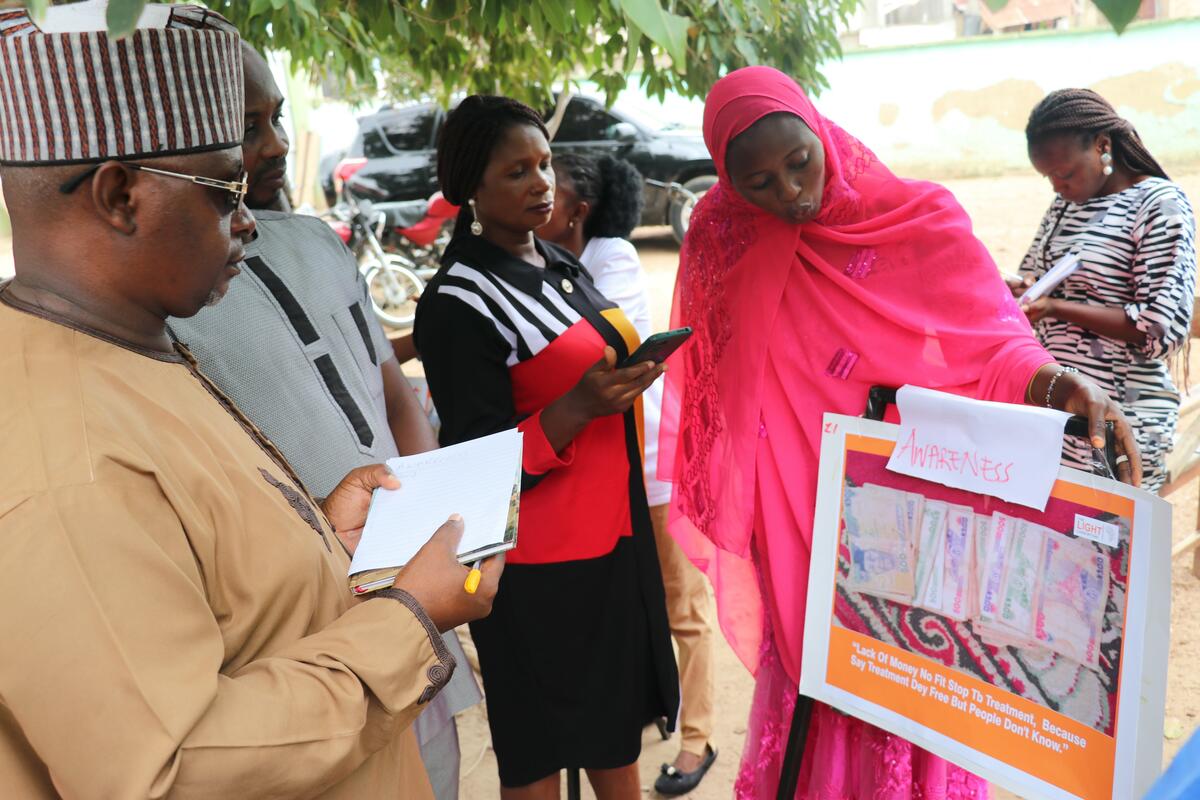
pixel 1137 249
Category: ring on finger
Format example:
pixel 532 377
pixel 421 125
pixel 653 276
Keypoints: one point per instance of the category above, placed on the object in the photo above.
pixel 1122 459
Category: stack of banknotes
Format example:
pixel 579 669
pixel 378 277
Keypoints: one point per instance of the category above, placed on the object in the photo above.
pixel 1014 582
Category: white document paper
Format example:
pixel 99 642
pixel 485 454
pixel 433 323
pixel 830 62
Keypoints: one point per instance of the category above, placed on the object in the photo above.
pixel 477 479
pixel 998 449
pixel 1046 284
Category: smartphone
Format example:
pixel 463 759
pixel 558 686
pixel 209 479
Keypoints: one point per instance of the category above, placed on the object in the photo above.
pixel 658 347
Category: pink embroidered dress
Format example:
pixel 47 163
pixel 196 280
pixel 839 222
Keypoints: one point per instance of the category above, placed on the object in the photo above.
pixel 887 286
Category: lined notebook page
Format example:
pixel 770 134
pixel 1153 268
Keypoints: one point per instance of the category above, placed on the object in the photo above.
pixel 475 479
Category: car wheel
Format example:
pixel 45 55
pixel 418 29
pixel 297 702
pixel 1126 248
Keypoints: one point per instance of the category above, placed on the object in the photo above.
pixel 680 211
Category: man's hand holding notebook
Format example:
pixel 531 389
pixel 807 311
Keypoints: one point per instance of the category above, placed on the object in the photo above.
pixel 479 480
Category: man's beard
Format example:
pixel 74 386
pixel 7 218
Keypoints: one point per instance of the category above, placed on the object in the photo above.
pixel 278 202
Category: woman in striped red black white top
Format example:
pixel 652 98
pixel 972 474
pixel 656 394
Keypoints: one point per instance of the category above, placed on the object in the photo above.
pixel 1127 309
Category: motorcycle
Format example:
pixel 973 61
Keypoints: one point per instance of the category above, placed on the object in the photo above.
pixel 399 246
pixel 394 282
pixel 683 201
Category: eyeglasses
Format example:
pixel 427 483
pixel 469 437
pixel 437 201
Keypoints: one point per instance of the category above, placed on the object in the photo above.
pixel 237 189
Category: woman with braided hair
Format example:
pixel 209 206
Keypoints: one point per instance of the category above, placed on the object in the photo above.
pixel 597 204
pixel 1127 309
pixel 576 657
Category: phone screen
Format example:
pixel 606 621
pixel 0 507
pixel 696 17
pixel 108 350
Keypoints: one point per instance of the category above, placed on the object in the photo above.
pixel 659 347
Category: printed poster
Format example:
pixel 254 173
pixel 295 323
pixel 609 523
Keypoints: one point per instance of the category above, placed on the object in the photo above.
pixel 1027 646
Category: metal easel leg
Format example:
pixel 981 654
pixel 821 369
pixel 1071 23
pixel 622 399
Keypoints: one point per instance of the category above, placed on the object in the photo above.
pixel 793 756
pixel 573 788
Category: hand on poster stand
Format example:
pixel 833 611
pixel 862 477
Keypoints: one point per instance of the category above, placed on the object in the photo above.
pixel 1064 389
pixel 1010 636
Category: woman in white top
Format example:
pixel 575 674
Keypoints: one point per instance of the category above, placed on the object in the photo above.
pixel 597 204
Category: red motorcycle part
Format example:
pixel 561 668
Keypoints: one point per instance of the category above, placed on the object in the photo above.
pixel 425 232
pixel 342 229
pixel 345 170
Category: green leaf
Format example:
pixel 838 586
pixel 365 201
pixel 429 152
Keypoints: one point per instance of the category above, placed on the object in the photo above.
pixel 1173 728
pixel 537 22
pixel 557 15
pixel 259 7
pixel 585 12
pixel 631 48
pixel 996 5
pixel 122 17
pixel 746 48
pixel 400 17
pixel 307 7
pixel 667 30
pixel 766 8
pixel 1119 13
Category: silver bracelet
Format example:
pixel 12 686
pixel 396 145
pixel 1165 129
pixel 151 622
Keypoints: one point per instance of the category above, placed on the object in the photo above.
pixel 1054 381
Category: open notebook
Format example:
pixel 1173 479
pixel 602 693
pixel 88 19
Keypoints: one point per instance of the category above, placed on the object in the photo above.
pixel 479 479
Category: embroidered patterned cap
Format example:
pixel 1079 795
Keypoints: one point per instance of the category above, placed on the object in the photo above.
pixel 71 95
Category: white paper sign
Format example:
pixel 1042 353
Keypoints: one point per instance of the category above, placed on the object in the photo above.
pixel 998 449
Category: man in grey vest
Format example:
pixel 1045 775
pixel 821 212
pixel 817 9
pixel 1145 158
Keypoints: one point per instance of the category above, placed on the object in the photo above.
pixel 297 347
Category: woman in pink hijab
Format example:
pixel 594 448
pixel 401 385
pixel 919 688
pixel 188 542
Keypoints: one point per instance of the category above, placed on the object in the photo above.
pixel 810 274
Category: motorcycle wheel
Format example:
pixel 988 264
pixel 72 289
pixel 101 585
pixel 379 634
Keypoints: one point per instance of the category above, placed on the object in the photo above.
pixel 680 212
pixel 395 290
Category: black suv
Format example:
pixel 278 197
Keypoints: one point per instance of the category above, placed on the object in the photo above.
pixel 393 158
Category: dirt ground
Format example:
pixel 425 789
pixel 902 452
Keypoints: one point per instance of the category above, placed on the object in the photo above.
pixel 1006 211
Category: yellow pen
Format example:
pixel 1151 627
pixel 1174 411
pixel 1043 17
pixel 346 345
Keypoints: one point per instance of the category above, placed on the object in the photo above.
pixel 473 577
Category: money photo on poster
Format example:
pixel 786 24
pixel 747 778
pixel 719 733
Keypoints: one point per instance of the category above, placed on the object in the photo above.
pixel 1029 602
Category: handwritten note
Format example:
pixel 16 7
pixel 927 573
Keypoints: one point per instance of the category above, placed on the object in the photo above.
pixel 999 449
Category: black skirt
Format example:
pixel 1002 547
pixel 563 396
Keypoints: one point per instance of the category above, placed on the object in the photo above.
pixel 576 661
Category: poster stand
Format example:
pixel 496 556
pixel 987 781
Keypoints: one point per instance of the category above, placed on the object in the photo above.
pixel 878 399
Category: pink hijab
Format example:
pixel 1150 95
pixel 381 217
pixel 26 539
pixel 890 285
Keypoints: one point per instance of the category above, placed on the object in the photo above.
pixel 898 266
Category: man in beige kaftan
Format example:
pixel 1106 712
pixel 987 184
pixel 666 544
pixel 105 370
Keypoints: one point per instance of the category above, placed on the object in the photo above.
pixel 173 602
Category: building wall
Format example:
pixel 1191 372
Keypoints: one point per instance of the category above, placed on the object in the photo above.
pixel 1178 9
pixel 959 108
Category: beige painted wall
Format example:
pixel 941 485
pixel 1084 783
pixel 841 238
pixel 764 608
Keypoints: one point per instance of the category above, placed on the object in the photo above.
pixel 959 109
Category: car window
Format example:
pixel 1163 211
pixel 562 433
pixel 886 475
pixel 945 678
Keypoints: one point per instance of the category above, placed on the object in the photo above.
pixel 399 131
pixel 372 143
pixel 585 121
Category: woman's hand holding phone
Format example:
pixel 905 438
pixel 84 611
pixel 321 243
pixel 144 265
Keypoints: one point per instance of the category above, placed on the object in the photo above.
pixel 607 389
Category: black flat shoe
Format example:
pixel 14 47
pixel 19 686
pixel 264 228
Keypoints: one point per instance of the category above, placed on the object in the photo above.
pixel 673 782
